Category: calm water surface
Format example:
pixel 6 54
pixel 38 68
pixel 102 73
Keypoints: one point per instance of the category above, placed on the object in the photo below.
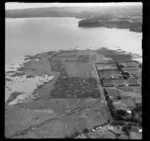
pixel 28 36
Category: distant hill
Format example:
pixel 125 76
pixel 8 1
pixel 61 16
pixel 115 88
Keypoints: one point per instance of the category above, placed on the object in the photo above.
pixel 80 12
pixel 108 16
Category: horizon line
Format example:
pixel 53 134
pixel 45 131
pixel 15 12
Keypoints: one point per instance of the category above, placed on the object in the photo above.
pixel 22 5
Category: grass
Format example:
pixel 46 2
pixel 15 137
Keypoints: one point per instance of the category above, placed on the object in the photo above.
pixel 71 87
pixel 130 69
pixel 7 79
pixel 138 90
pixel 107 83
pixel 83 58
pixel 133 83
pixel 109 72
pixel 18 74
pixel 105 66
pixel 114 83
pixel 115 55
pixel 130 64
pixel 75 69
pixel 112 92
pixel 67 55
pixel 29 76
pixel 126 89
pixel 57 65
pixel 13 96
pixel 119 82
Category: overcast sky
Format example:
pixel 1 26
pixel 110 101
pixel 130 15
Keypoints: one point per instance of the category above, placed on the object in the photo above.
pixel 16 5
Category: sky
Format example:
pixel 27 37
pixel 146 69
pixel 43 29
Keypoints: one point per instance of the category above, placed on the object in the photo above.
pixel 17 5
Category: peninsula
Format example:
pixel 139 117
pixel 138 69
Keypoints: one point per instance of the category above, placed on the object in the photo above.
pixel 77 94
pixel 131 24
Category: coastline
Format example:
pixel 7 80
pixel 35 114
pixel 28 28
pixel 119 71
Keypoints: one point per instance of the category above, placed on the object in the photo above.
pixel 92 25
pixel 27 58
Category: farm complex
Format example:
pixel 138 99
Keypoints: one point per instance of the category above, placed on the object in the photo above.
pixel 122 88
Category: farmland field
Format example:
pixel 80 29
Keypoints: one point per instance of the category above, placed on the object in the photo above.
pixel 74 87
pixel 132 70
pixel 130 64
pixel 112 91
pixel 75 69
pixel 106 66
pixel 83 58
pixel 109 72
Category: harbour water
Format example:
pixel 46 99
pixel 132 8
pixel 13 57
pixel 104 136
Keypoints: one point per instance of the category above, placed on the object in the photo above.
pixel 28 36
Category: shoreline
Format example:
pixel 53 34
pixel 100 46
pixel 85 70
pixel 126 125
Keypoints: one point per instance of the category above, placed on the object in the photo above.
pixel 27 58
pixel 11 18
pixel 76 18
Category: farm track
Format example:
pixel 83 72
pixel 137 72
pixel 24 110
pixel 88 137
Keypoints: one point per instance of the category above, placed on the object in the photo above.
pixel 50 59
pixel 26 130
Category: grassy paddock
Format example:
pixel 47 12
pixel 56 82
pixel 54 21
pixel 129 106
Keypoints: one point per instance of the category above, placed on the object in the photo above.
pixel 74 87
pixel 75 69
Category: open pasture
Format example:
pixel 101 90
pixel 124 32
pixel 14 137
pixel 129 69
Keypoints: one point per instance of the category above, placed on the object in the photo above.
pixel 129 64
pixel 75 69
pixel 106 66
pixel 75 87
